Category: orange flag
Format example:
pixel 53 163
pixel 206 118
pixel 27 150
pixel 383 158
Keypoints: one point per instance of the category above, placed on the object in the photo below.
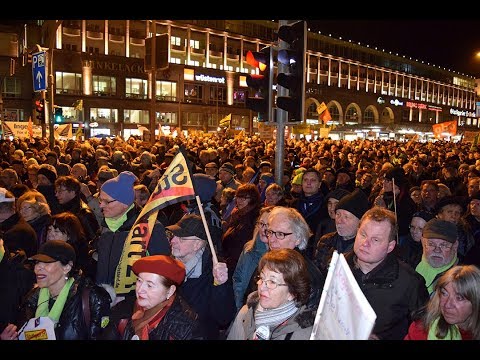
pixel 30 127
pixel 326 117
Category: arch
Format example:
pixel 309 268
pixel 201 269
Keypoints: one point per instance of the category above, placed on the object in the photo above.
pixel 339 109
pixel 357 113
pixel 374 111
pixel 309 102
pixel 387 116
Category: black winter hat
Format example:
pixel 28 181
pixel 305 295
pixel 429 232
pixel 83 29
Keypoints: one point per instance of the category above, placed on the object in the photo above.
pixel 337 194
pixel 451 200
pixel 355 202
pixel 397 174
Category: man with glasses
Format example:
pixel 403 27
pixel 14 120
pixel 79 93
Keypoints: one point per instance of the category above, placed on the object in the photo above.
pixel 287 229
pixel 117 201
pixel 440 245
pixel 207 287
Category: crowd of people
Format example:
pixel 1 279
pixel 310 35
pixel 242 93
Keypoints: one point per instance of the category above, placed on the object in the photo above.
pixel 249 259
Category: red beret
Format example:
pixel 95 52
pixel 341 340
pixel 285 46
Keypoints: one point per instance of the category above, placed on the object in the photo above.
pixel 163 265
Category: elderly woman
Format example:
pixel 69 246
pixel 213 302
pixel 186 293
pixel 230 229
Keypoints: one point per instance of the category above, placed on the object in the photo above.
pixel 241 224
pixel 453 312
pixel 277 310
pixel 157 312
pixel 57 304
pixel 34 209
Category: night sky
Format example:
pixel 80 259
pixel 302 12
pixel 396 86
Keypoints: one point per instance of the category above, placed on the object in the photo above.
pixel 447 43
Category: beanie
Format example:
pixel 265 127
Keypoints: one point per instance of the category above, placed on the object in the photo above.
pixel 228 167
pixel 355 203
pixel 337 194
pixel 205 186
pixel 162 265
pixel 397 174
pixel 51 175
pixel 297 179
pixel 120 187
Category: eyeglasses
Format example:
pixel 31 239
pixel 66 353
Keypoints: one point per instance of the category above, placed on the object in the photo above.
pixel 278 234
pixel 59 190
pixel 270 284
pixel 261 224
pixel 442 246
pixel 243 197
pixel 106 202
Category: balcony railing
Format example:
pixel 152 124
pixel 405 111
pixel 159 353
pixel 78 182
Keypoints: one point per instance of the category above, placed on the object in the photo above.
pixel 71 31
pixel 137 41
pixel 116 38
pixel 95 35
pixel 178 48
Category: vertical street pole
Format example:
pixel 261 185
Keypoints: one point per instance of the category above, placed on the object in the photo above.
pixel 281 117
pixel 49 109
pixel 153 100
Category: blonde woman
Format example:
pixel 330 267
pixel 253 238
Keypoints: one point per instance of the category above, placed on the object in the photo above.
pixel 34 209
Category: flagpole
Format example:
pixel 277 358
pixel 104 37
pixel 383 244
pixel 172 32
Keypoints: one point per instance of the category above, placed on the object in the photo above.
pixel 210 242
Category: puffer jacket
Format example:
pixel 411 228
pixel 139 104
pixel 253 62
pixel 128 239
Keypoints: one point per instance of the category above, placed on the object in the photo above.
pixel 71 325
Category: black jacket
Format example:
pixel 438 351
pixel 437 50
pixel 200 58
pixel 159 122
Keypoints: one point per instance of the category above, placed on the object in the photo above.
pixel 71 325
pixel 179 323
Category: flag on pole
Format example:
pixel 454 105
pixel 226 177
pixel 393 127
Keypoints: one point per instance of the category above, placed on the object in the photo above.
pixel 174 186
pixel 225 122
pixel 30 128
pixel 326 117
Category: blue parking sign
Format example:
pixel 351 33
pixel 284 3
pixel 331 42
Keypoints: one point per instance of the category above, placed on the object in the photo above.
pixel 39 61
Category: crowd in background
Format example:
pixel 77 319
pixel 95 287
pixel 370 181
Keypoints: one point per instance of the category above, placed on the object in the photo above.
pixel 406 215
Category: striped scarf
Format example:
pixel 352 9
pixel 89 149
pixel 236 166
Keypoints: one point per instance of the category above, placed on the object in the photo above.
pixel 274 317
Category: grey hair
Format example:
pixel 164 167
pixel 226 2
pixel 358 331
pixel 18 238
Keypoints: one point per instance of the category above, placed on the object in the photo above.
pixel 297 223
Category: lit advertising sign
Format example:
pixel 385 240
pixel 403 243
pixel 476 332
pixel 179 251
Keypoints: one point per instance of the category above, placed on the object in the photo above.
pixel 211 79
pixel 457 112
pixel 415 105
pixel 396 102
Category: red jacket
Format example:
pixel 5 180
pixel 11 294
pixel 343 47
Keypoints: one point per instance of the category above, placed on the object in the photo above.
pixel 416 331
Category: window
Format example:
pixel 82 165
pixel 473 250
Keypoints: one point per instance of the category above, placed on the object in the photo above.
pixel 136 88
pixel 351 115
pixel 239 97
pixel 175 40
pixel 104 85
pixel 136 116
pixel 218 95
pixel 193 93
pixel 166 90
pixel 103 115
pixel 192 119
pixel 68 83
pixel 334 113
pixel 369 116
pixel 11 87
pixel 166 118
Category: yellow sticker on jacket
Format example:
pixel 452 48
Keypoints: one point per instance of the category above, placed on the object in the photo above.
pixel 39 334
pixel 105 321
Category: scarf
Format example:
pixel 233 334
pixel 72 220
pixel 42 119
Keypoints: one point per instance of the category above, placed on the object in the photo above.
pixel 274 317
pixel 114 224
pixel 57 308
pixel 453 332
pixel 2 251
pixel 144 321
pixel 430 273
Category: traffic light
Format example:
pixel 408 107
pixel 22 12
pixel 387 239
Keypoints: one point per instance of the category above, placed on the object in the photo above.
pixel 40 108
pixel 261 83
pixel 58 115
pixel 295 35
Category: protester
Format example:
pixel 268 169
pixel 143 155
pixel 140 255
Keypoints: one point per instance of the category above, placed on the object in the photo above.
pixel 157 312
pixel 59 297
pixel 453 311
pixel 277 310
pixel 392 287
pixel 207 287
pixel 440 244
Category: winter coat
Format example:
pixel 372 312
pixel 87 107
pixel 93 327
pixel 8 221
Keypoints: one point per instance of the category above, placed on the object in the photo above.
pixel 246 266
pixel 327 244
pixel 72 325
pixel 214 304
pixel 394 290
pixel 297 327
pixel 109 246
pixel 179 323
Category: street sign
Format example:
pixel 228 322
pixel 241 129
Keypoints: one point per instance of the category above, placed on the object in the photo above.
pixel 39 61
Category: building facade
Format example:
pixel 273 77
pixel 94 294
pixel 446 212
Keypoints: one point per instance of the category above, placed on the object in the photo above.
pixel 102 64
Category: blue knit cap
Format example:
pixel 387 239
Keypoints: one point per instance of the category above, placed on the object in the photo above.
pixel 120 187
